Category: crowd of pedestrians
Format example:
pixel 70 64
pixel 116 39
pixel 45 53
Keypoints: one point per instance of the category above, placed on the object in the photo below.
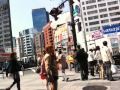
pixel 95 61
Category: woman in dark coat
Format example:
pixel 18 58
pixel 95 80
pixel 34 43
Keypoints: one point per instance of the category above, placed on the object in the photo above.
pixel 14 69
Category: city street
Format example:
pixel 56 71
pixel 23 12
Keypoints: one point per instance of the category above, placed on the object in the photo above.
pixel 32 81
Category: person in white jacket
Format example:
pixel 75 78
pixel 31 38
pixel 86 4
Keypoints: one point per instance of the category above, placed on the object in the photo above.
pixel 91 61
pixel 107 60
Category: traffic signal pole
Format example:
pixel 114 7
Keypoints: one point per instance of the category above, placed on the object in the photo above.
pixel 73 24
pixel 55 12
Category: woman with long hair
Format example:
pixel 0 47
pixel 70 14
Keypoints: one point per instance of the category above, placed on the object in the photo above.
pixel 49 61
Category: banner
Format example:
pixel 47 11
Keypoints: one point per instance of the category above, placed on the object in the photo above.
pixel 97 35
pixel 108 29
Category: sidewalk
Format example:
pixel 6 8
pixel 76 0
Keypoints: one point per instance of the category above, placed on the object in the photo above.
pixel 33 82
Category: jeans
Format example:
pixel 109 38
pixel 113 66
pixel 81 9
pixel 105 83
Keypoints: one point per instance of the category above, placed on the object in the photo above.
pixel 107 69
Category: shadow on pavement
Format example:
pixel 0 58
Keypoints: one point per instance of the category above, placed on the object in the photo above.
pixel 95 87
pixel 73 80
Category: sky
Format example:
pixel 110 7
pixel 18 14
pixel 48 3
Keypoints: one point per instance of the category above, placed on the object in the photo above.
pixel 21 12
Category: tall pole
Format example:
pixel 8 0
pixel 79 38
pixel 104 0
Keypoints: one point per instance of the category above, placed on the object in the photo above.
pixel 73 24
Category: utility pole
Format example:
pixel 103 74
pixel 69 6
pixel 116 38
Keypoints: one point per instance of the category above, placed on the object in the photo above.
pixel 73 23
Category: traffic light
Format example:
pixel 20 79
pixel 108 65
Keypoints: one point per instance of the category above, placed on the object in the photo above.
pixel 79 26
pixel 55 12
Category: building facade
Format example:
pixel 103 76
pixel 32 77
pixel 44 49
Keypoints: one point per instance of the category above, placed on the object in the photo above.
pixel 40 18
pixel 48 35
pixel 27 44
pixel 95 14
pixel 5 26
pixel 37 41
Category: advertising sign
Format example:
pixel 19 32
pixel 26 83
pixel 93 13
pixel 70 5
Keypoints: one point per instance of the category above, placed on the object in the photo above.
pixel 97 35
pixel 108 29
pixel 4 57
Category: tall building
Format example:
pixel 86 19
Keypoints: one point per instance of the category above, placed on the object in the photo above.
pixel 37 41
pixel 27 44
pixel 97 13
pixel 40 18
pixel 5 26
pixel 48 36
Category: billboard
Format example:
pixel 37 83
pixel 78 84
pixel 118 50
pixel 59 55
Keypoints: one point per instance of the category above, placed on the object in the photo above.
pixel 97 35
pixel 109 29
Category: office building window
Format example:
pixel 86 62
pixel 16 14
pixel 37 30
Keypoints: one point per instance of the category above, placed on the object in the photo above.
pixel 103 10
pixel 87 30
pixel 86 24
pixel 84 13
pixel 94 23
pixel 103 15
pixel 93 17
pixel 83 3
pixel 113 8
pixel 100 0
pixel 114 13
pixel 83 8
pixel 105 21
pixel 92 12
pixel 91 7
pixel 102 5
pixel 94 28
pixel 115 19
pixel 112 3
pixel 90 1
pixel 85 19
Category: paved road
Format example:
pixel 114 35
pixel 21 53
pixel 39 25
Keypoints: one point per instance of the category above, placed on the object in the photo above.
pixel 32 81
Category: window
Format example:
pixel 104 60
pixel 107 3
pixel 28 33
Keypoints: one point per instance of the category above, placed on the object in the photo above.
pixel 114 13
pixel 102 10
pixel 93 17
pixel 112 3
pixel 91 7
pixel 94 28
pixel 92 12
pixel 103 15
pixel 87 30
pixel 94 23
pixel 83 8
pixel 84 13
pixel 115 19
pixel 100 0
pixel 86 24
pixel 102 5
pixel 105 21
pixel 90 1
pixel 113 8
pixel 83 3
pixel 85 19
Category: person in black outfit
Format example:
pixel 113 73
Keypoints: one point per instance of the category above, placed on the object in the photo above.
pixel 81 57
pixel 14 69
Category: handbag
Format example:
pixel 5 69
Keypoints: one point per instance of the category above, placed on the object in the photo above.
pixel 114 69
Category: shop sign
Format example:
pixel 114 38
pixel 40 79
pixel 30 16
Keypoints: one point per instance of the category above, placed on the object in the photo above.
pixel 108 29
pixel 97 35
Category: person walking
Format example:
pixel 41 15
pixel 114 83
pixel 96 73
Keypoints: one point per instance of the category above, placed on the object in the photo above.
pixel 81 57
pixel 98 57
pixel 14 69
pixel 62 61
pixel 49 61
pixel 107 60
